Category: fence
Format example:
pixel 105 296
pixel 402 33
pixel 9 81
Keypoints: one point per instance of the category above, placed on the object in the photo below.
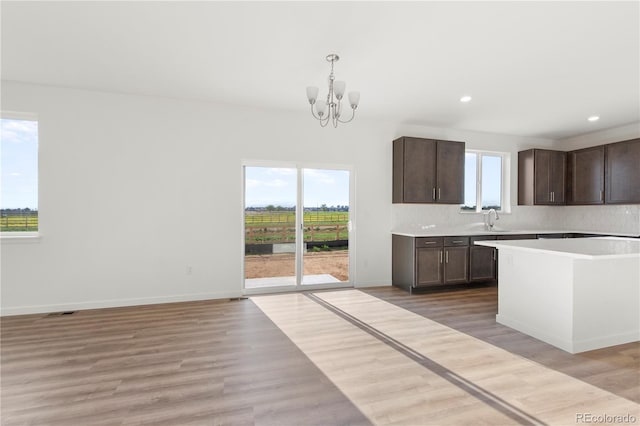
pixel 278 217
pixel 256 234
pixel 265 227
pixel 19 222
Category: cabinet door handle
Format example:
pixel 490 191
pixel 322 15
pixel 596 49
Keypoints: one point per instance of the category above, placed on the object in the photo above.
pixel 440 256
pixel 601 195
pixel 457 241
pixel 434 193
pixel 446 253
pixel 494 254
pixel 439 194
pixel 552 196
pixel 426 243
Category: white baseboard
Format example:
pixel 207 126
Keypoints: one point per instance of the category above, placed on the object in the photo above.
pixel 557 341
pixel 571 346
pixel 606 341
pixel 114 303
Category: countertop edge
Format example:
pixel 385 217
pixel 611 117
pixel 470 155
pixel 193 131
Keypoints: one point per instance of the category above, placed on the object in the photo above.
pixel 513 245
pixel 472 233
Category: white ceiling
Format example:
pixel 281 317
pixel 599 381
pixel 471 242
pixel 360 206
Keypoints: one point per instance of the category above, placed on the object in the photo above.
pixel 532 68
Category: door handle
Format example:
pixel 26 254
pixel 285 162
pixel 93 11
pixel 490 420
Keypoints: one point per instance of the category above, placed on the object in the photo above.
pixel 439 194
pixel 434 194
pixel 446 255
pixel 440 256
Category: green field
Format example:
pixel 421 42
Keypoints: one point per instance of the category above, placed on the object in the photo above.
pixel 19 223
pixel 281 218
pixel 261 227
pixel 279 227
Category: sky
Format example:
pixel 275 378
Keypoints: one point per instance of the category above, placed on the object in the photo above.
pixel 491 179
pixel 19 163
pixel 277 186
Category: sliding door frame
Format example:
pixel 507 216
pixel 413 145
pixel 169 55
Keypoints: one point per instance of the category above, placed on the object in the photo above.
pixel 299 271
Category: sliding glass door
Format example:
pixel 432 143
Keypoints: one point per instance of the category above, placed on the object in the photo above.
pixel 270 226
pixel 325 222
pixel 296 227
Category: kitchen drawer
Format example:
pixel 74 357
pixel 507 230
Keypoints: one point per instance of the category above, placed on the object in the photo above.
pixel 428 242
pixel 456 241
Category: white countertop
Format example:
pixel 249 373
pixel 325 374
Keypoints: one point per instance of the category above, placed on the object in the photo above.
pixel 435 231
pixel 580 248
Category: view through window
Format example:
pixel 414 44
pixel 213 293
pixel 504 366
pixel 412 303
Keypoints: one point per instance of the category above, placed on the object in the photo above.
pixel 483 181
pixel 19 186
pixel 277 255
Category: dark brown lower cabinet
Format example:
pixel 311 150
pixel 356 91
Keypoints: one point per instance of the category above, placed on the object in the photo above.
pixel 456 261
pixel 482 264
pixel 429 262
pixel 428 267
pixel 442 265
pixel 482 261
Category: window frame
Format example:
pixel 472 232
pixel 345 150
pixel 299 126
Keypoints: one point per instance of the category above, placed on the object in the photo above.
pixel 25 235
pixel 505 179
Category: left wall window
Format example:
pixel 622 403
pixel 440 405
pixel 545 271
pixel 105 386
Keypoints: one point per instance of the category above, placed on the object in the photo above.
pixel 19 175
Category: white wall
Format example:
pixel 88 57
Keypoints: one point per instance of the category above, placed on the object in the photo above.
pixel 615 134
pixel 133 189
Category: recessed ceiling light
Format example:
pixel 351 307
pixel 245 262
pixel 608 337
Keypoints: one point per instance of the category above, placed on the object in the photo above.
pixel 593 118
pixel 465 99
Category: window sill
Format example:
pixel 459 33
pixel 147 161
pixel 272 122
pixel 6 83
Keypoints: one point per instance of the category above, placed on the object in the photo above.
pixel 20 236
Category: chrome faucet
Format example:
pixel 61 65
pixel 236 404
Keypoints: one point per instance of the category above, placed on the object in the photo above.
pixel 490 219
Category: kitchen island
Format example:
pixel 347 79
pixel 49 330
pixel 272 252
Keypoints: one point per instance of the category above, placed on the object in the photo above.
pixel 575 294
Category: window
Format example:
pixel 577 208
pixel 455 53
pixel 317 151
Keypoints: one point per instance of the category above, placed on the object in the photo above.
pixel 19 162
pixel 485 181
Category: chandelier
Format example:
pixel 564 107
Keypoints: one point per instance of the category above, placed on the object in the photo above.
pixel 334 100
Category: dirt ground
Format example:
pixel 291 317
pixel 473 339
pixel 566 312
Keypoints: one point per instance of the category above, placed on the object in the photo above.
pixel 335 263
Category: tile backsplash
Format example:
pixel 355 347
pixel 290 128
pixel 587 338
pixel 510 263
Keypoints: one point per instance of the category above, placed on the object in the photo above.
pixel 624 219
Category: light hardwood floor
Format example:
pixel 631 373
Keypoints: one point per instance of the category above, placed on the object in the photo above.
pixel 323 358
pixel 402 368
pixel 473 311
pixel 208 363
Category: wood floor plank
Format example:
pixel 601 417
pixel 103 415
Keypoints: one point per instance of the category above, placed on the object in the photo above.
pixel 543 393
pixel 472 311
pixel 390 385
pixel 183 363
pixel 213 363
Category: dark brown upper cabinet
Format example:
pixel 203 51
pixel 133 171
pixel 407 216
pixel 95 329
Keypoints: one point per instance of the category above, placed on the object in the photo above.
pixel 428 171
pixel 585 176
pixel 622 172
pixel 541 177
